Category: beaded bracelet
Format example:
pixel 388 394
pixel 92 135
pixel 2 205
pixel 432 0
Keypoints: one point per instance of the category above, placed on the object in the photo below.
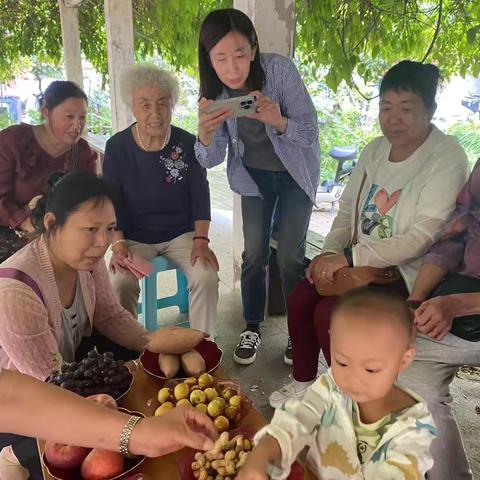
pixel 116 242
pixel 126 434
pixel 198 237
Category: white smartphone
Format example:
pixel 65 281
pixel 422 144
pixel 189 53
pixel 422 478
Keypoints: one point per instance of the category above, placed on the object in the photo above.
pixel 238 106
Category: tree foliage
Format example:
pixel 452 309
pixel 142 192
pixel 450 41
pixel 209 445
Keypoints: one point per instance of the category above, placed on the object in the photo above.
pixel 367 35
pixel 32 28
pixel 343 36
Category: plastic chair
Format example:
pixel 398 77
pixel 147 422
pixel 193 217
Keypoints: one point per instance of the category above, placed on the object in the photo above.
pixel 150 304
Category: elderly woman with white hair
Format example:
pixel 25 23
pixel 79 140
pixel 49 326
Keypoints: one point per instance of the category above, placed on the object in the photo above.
pixel 164 198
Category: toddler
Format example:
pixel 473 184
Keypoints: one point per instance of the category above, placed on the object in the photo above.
pixel 357 423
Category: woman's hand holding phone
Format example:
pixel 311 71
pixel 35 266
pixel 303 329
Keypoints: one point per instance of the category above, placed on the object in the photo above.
pixel 268 112
pixel 209 122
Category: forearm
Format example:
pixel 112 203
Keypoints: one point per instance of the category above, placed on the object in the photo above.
pixel 271 447
pixel 267 451
pixel 118 241
pixel 428 278
pixel 282 125
pixel 463 304
pixel 202 228
pixel 209 156
pixel 36 409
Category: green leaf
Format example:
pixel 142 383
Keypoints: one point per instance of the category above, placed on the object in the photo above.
pixel 471 34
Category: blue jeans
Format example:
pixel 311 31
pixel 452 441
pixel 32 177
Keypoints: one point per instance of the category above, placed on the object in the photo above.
pixel 279 191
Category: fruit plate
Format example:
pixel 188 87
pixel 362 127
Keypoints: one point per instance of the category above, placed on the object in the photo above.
pixel 96 373
pixel 220 385
pixel 132 465
pixel 185 464
pixel 210 351
pixel 100 390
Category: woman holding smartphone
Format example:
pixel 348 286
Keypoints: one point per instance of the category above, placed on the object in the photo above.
pixel 273 158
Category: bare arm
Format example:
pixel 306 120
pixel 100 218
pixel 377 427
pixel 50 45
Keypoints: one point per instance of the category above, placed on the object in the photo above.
pixel 200 247
pixel 201 228
pixel 428 278
pixel 37 409
pixel 267 451
pixel 462 304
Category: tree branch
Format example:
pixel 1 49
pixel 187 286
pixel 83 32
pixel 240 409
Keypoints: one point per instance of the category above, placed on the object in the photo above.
pixel 437 30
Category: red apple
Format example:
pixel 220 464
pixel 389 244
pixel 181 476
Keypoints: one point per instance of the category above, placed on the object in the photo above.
pixel 102 465
pixel 104 399
pixel 66 457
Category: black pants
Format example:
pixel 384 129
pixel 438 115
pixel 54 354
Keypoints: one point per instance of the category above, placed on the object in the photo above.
pixel 467 327
pixel 25 448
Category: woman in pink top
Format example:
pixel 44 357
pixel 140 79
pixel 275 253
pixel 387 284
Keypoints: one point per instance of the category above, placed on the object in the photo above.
pixel 30 153
pixel 66 269
pixel 55 292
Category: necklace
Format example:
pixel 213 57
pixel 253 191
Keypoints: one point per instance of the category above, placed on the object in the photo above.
pixel 165 141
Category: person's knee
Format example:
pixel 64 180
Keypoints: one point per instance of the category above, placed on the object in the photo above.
pixel 299 298
pixel 289 263
pixel 255 255
pixel 123 286
pixel 204 279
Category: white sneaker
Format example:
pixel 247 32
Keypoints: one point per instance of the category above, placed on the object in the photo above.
pixel 292 390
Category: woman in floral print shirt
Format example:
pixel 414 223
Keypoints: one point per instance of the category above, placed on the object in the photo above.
pixel 164 198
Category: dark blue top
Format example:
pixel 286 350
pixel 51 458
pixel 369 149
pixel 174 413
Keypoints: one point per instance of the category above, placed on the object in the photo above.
pixel 161 193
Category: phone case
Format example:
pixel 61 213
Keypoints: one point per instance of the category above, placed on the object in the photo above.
pixel 238 106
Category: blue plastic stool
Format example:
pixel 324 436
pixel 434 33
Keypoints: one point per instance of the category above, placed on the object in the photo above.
pixel 150 304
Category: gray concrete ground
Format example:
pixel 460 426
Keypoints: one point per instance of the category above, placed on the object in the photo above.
pixel 269 372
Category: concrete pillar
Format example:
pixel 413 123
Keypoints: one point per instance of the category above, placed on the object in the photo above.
pixel 119 23
pixel 274 22
pixel 72 53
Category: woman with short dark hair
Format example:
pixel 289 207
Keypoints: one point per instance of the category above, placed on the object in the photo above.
pixel 30 153
pixel 273 158
pixel 399 196
pixel 62 291
pixel 56 301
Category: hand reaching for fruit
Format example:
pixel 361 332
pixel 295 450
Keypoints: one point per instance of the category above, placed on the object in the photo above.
pixel 151 436
pixel 37 409
pixel 178 428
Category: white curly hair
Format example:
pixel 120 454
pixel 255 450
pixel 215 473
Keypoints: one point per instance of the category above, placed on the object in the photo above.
pixel 139 76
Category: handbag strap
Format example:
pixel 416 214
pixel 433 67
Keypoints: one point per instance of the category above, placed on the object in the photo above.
pixel 73 159
pixel 23 277
pixel 354 239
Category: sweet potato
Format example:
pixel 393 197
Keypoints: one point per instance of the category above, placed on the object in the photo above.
pixel 174 340
pixel 193 363
pixel 169 364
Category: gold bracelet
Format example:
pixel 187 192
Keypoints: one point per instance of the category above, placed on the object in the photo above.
pixel 126 434
pixel 116 242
